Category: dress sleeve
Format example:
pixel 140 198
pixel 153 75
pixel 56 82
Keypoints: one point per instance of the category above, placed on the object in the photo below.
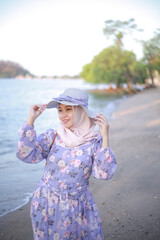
pixel 104 162
pixel 32 149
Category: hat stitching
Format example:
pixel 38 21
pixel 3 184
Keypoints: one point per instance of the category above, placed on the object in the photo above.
pixel 79 101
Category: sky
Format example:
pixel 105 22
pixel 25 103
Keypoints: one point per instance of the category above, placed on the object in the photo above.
pixel 58 37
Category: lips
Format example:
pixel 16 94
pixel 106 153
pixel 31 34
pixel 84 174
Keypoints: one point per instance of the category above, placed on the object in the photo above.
pixel 65 121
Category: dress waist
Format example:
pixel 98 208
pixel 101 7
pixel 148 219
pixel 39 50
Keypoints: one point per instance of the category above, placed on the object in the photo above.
pixel 66 194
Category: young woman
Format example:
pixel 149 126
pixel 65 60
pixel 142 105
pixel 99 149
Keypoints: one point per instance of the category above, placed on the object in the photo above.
pixel 62 206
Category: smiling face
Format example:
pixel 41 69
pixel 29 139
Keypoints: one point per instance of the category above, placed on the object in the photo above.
pixel 66 115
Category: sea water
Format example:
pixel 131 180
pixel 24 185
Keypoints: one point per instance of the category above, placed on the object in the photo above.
pixel 18 179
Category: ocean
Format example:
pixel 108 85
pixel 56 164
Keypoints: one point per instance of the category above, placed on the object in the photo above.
pixel 17 179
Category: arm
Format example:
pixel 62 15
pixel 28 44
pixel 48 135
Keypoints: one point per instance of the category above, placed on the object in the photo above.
pixel 32 149
pixel 104 162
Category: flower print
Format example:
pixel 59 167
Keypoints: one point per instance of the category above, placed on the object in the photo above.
pixel 75 203
pixel 38 146
pixel 20 132
pixel 24 150
pixel 52 158
pixel 37 193
pixel 89 150
pixel 50 202
pixel 73 153
pixel 61 163
pixel 109 159
pixel 41 234
pixel 55 199
pixel 45 192
pixel 87 206
pixel 107 154
pixel 66 154
pixel 79 185
pixel 72 162
pixel 64 205
pixel 67 222
pixel 103 174
pixel 77 163
pixel 99 237
pixel 86 172
pixel 30 134
pixel 46 218
pixel 79 220
pixel 56 236
pixel 44 212
pixel 50 211
pixel 50 231
pixel 96 173
pixel 63 170
pixel 61 184
pixel 60 142
pixel 84 221
pixel 79 152
pixel 35 204
pixel 66 234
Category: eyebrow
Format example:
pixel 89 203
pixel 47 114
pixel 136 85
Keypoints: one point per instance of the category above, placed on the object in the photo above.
pixel 66 106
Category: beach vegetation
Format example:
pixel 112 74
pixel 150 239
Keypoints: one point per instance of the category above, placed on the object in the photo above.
pixel 151 52
pixel 117 29
pixel 115 65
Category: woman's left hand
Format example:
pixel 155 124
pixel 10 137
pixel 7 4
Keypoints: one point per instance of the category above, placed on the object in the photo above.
pixel 103 125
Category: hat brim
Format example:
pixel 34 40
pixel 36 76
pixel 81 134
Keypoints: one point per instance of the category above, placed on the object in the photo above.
pixel 54 104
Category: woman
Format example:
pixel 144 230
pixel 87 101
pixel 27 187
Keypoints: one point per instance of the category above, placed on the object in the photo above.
pixel 62 206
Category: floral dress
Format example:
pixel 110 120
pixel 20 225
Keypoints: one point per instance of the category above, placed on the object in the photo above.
pixel 62 206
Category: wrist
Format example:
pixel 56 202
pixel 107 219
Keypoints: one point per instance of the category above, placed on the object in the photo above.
pixel 31 121
pixel 105 141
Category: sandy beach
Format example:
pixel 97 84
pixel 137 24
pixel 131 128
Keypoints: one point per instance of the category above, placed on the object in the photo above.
pixel 129 204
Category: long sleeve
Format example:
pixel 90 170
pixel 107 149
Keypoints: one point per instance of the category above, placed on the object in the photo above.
pixel 104 162
pixel 32 149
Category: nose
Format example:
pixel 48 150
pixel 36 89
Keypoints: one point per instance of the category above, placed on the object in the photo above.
pixel 64 114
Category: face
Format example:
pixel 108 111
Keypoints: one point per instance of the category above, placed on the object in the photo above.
pixel 66 115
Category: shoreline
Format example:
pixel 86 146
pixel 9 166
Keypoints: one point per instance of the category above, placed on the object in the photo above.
pixel 128 203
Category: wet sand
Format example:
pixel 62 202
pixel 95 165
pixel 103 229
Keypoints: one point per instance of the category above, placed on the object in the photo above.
pixel 129 204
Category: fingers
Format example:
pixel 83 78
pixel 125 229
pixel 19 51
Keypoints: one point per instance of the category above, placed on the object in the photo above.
pixel 100 119
pixel 39 107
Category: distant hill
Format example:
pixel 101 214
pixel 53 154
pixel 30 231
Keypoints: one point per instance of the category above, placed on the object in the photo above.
pixel 10 69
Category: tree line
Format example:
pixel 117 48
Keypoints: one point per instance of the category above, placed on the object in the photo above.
pixel 117 65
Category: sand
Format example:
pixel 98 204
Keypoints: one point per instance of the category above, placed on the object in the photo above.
pixel 129 204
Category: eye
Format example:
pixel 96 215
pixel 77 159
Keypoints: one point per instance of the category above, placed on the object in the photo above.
pixel 59 110
pixel 68 109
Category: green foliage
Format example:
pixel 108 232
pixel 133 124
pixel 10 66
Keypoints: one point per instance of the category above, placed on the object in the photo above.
pixel 117 29
pixel 151 51
pixel 10 69
pixel 114 65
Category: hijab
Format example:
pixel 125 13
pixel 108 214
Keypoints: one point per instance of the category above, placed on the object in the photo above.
pixel 81 132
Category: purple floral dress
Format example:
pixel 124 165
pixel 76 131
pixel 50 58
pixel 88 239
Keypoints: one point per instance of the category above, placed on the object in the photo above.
pixel 62 206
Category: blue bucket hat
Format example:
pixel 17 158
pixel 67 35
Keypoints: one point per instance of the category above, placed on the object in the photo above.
pixel 73 97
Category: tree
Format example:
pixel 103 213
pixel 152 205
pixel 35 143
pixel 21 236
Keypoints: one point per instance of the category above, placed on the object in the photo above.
pixel 117 29
pixel 151 51
pixel 114 65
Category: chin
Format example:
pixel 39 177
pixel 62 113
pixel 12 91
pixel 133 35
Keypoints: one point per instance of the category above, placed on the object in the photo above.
pixel 68 126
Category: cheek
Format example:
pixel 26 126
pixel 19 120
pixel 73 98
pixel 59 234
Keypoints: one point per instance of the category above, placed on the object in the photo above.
pixel 72 116
pixel 60 115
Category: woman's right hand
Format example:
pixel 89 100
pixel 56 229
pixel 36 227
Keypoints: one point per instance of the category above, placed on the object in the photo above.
pixel 35 111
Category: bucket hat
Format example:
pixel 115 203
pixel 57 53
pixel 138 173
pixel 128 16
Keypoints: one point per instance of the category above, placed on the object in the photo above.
pixel 73 97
